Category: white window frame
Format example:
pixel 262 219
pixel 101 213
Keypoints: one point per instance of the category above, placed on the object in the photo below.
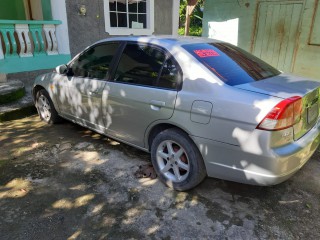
pixel 126 30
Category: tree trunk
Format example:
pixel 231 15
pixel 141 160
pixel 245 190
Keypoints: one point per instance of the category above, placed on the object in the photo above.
pixel 189 10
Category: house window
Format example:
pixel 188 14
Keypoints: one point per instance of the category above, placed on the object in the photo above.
pixel 125 17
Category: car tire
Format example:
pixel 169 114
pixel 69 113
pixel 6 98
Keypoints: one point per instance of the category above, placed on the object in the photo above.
pixel 177 160
pixel 45 108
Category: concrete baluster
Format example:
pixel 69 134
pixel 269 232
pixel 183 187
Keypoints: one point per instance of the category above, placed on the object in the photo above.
pixel 36 33
pixel 10 44
pixel 50 33
pixel 25 42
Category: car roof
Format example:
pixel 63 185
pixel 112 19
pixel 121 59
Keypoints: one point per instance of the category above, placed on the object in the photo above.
pixel 165 41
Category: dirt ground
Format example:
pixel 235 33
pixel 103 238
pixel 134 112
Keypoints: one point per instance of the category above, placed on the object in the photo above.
pixel 66 182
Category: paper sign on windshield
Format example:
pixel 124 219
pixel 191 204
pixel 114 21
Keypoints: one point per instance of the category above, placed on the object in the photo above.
pixel 206 53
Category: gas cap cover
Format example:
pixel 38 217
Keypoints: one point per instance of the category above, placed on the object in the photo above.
pixel 201 112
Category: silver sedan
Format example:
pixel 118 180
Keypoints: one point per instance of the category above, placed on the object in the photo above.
pixel 200 107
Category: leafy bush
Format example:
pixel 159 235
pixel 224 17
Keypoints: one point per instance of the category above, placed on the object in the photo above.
pixel 194 31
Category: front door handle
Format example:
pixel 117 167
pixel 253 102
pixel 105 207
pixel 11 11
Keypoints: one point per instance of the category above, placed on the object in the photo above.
pixel 156 105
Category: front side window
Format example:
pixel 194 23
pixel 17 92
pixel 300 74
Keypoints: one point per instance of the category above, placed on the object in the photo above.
pixel 147 66
pixel 124 17
pixel 231 64
pixel 95 62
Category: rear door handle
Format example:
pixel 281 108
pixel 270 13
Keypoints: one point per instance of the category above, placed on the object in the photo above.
pixel 91 93
pixel 156 105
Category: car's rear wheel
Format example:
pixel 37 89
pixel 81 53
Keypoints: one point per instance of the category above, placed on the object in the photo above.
pixel 45 107
pixel 177 160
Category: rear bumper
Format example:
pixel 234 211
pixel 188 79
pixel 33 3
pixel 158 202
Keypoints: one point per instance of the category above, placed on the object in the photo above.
pixel 259 166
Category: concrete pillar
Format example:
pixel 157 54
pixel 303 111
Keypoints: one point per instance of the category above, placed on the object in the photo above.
pixel 59 12
pixel 3 77
pixel 175 17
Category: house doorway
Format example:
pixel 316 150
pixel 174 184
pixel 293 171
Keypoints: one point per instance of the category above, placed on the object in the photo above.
pixel 277 32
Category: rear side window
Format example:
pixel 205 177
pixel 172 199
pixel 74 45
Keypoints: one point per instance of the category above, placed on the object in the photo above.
pixel 231 64
pixel 170 75
pixel 95 62
pixel 146 65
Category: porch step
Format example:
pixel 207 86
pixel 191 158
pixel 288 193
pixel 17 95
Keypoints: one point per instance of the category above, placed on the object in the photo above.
pixel 20 108
pixel 11 91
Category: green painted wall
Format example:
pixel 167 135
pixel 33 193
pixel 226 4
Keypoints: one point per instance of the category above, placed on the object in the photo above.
pixel 307 61
pixel 223 10
pixel 46 9
pixel 12 10
pixel 305 58
pixel 15 65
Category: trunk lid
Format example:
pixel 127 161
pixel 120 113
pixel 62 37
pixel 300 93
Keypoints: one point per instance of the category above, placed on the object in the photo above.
pixel 285 86
pixel 282 86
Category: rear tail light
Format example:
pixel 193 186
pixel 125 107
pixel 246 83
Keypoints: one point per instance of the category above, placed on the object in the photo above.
pixel 284 115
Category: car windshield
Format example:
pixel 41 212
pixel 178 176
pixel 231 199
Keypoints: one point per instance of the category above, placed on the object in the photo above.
pixel 231 64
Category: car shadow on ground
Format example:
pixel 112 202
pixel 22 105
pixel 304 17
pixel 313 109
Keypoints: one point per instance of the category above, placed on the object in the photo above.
pixel 64 181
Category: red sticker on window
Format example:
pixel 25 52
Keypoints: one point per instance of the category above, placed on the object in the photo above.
pixel 206 53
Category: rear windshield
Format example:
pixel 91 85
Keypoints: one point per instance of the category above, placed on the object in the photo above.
pixel 231 64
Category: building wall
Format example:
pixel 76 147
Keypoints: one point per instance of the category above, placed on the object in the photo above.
pixel 224 10
pixel 12 10
pixel 46 9
pixel 15 9
pixel 163 17
pixel 85 30
pixel 27 77
pixel 308 55
pixel 305 56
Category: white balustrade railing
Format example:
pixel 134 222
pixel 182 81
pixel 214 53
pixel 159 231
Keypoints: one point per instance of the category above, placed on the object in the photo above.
pixel 28 38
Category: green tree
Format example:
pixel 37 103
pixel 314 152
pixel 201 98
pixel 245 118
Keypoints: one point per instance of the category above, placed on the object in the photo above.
pixel 195 18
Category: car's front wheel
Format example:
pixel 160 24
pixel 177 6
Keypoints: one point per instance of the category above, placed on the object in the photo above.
pixel 45 107
pixel 177 160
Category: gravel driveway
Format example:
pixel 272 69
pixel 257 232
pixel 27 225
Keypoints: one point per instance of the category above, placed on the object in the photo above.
pixel 66 182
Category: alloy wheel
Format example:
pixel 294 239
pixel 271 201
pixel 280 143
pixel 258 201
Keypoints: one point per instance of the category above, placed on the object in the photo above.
pixel 44 108
pixel 173 161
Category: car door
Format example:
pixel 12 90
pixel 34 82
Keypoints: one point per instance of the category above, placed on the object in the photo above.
pixel 143 89
pixel 84 85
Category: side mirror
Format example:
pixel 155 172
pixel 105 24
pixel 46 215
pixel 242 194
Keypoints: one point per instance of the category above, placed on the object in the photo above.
pixel 62 69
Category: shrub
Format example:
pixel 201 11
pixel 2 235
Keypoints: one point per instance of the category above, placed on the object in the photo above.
pixel 194 31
